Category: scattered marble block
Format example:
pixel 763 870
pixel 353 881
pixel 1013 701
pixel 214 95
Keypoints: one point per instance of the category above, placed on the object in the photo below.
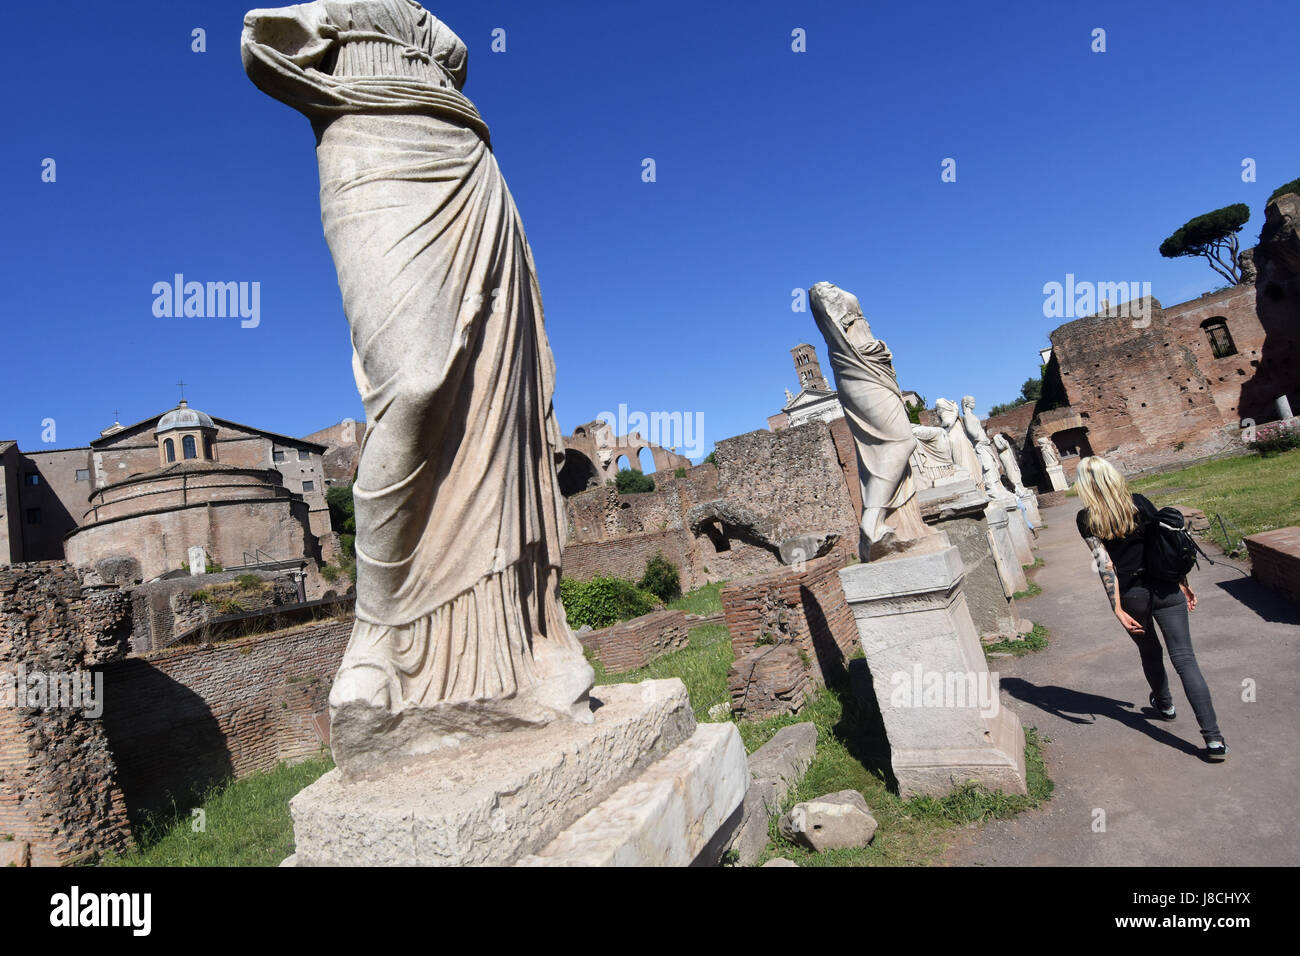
pixel 1056 478
pixel 917 632
pixel 1002 544
pixel 496 800
pixel 778 861
pixel 775 769
pixel 836 821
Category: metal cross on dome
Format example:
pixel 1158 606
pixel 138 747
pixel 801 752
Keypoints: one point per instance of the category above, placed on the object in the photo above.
pixel 181 383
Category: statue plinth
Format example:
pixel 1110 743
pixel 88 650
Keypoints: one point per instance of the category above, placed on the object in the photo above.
pixel 1056 477
pixel 917 633
pixel 641 784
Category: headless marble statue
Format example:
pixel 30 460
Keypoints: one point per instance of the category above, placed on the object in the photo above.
pixel 460 523
pixel 877 419
pixel 1009 464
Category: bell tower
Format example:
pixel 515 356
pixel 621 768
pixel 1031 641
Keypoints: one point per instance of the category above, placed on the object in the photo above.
pixel 808 368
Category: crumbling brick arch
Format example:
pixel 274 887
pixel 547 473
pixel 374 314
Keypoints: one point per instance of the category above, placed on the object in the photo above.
pixel 577 472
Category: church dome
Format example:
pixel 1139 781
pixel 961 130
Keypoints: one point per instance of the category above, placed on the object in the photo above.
pixel 182 416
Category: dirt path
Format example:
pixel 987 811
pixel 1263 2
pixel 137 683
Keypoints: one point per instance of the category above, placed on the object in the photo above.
pixel 1163 803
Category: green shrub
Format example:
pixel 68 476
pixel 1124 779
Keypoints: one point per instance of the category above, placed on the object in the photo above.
pixel 249 581
pixel 661 579
pixel 632 481
pixel 601 602
pixel 680 473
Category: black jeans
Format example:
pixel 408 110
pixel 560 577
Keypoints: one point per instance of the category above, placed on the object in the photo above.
pixel 1167 605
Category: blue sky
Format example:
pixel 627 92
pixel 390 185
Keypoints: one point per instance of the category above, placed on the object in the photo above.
pixel 775 170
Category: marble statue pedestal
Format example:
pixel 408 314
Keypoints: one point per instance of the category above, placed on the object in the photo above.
pixel 1029 502
pixel 1022 539
pixel 642 785
pixel 915 627
pixel 958 512
pixel 1004 549
pixel 1056 477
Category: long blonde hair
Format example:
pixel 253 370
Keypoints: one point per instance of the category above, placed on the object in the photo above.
pixel 1111 511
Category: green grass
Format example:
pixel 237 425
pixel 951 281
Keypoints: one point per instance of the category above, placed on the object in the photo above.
pixel 1035 640
pixel 1251 492
pixel 702 601
pixel 702 666
pixel 1038 563
pixel 852 755
pixel 246 823
pixel 1033 590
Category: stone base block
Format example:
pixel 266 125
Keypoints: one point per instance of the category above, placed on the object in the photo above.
pixel 1056 478
pixel 494 801
pixel 940 705
pixel 1022 539
pixel 1029 502
pixel 1002 545
pixel 668 816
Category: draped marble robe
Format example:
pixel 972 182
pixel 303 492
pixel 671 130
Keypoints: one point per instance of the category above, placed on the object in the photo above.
pixel 932 462
pixel 877 419
pixel 460 521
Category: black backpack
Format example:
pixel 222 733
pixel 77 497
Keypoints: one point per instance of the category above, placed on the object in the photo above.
pixel 1170 550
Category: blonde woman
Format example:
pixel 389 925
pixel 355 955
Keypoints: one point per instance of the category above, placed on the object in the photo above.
pixel 1114 523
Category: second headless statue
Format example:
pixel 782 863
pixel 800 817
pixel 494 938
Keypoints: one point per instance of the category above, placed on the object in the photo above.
pixel 877 419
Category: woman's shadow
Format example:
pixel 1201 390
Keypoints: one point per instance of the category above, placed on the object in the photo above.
pixel 1071 705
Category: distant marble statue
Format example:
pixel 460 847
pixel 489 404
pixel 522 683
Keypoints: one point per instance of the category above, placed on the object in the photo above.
pixel 460 522
pixel 963 452
pixel 932 462
pixel 877 419
pixel 1048 451
pixel 984 450
pixel 971 422
pixel 1009 464
pixel 1052 464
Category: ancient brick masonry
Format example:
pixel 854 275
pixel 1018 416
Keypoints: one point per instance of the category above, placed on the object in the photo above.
pixel 803 480
pixel 183 719
pixel 769 681
pixel 58 780
pixel 802 609
pixel 1275 560
pixel 1180 383
pixel 635 643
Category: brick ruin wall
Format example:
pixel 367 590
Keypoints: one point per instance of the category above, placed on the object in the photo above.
pixel 635 643
pixel 803 479
pixel 58 785
pixel 186 718
pixel 777 619
pixel 1155 396
pixel 1275 560
pixel 174 722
